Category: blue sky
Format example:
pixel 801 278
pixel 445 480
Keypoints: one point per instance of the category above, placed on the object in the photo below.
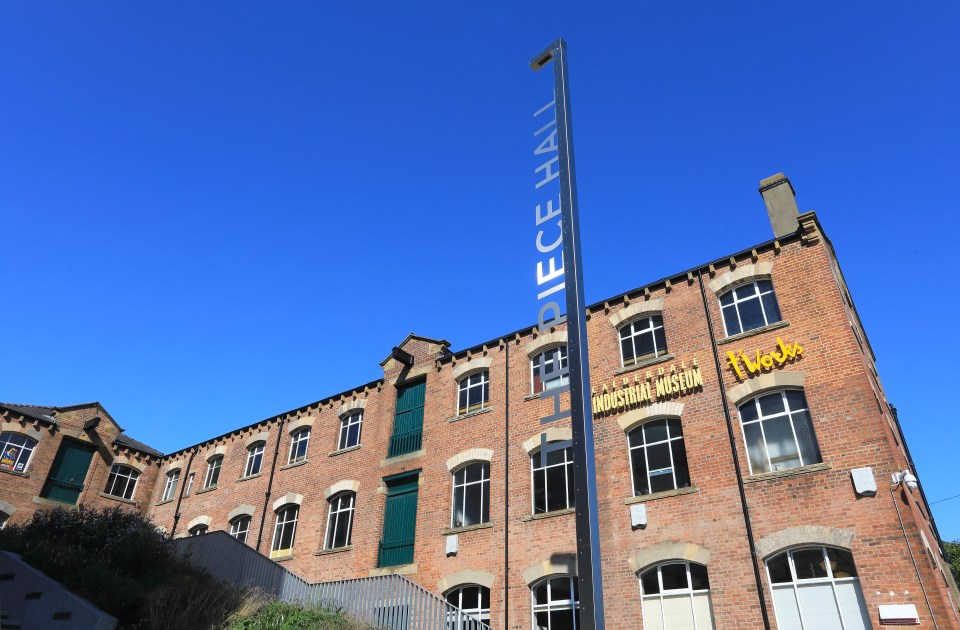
pixel 215 212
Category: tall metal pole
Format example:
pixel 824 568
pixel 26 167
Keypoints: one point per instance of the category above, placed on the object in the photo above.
pixel 589 575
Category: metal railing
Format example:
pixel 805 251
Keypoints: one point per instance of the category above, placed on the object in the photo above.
pixel 408 442
pixel 389 601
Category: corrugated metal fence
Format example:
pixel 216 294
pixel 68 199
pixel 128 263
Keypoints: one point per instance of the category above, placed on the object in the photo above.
pixel 389 601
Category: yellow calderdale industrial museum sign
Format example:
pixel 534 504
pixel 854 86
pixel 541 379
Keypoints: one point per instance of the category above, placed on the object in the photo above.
pixel 763 362
pixel 645 389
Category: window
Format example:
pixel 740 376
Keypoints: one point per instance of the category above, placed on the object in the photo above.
pixel 213 472
pixel 778 432
pixel 198 530
pixel 350 430
pixel 298 446
pixel 472 599
pixel 749 306
pixel 254 460
pixel 657 457
pixel 15 451
pixel 642 339
pixel 556 604
pixel 189 487
pixel 815 588
pixel 240 527
pixel 122 482
pixel 471 495
pixel 285 530
pixel 552 480
pixel 676 596
pixel 474 392
pixel 554 369
pixel 170 486
pixel 3 519
pixel 340 520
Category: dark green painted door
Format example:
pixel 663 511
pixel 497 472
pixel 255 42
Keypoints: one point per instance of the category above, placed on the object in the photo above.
pixel 399 522
pixel 408 420
pixel 68 472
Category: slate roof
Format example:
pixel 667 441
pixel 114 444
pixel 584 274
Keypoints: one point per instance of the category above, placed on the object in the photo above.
pixel 127 441
pixel 36 412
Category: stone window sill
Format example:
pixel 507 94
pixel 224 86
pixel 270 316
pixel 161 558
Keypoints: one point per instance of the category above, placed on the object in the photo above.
pixel 164 502
pixel 469 528
pixel 289 556
pixel 210 489
pixel 400 569
pixel 790 472
pixel 537 517
pixel 248 478
pixel 118 499
pixel 44 501
pixel 532 396
pixel 663 358
pixel 756 331
pixel 470 414
pixel 327 552
pixel 294 464
pixel 643 498
pixel 396 459
pixel 14 472
pixel 344 450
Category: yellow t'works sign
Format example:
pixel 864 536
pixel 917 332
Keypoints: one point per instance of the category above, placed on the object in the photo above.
pixel 763 362
pixel 646 388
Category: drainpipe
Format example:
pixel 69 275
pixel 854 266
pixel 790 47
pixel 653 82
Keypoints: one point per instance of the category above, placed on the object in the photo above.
pixel 900 480
pixel 506 493
pixel 183 486
pixel 273 469
pixel 736 458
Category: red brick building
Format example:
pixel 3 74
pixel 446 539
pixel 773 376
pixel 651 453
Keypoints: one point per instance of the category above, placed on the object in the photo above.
pixel 744 446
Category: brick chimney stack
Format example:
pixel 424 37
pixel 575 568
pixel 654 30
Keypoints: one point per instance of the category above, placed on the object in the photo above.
pixel 780 198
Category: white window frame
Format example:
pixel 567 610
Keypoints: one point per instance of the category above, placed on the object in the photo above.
pixel 199 530
pixel 551 604
pixel 212 478
pixel 237 527
pixel 129 474
pixel 557 381
pixel 641 451
pixel 481 614
pixel 465 384
pixel 23 444
pixel 337 511
pixel 789 413
pixel 568 477
pixel 757 295
pixel 688 593
pixel 186 491
pixel 634 333
pixel 301 435
pixel 287 516
pixel 348 421
pixel 484 484
pixel 253 452
pixel 170 485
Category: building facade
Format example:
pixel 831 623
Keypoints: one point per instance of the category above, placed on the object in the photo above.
pixel 750 470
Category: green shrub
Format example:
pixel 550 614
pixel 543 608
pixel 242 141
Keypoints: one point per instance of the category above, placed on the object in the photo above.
pixel 278 615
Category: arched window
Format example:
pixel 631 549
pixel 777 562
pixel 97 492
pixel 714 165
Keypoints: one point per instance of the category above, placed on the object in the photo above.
pixel 556 603
pixel 299 442
pixel 340 520
pixel 642 339
pixel 554 369
pixel 778 432
pixel 471 495
pixel 657 457
pixel 472 599
pixel 254 460
pixel 473 392
pixel 198 530
pixel 240 527
pixel 15 451
pixel 676 596
pixel 170 485
pixel 552 480
pixel 122 482
pixel 285 531
pixel 749 306
pixel 350 426
pixel 213 472
pixel 816 588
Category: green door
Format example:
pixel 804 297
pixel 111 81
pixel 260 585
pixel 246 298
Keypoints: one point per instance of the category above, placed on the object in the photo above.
pixel 399 521
pixel 408 420
pixel 68 472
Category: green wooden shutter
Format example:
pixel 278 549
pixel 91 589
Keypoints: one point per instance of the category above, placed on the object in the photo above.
pixel 68 472
pixel 399 522
pixel 408 420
